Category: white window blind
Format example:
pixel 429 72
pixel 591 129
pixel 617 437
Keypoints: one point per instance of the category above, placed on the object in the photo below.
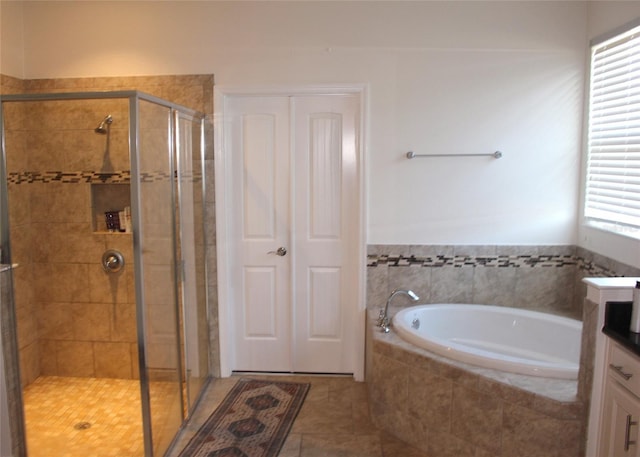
pixel 613 167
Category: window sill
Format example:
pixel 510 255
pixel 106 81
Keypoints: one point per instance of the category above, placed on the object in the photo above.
pixel 615 229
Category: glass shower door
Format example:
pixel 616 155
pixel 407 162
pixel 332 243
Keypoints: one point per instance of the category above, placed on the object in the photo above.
pixel 192 250
pixel 154 222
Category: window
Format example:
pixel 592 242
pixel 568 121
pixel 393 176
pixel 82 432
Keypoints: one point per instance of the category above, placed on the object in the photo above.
pixel 612 197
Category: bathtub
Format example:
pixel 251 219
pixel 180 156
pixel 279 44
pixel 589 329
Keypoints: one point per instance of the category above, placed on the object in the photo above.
pixel 507 339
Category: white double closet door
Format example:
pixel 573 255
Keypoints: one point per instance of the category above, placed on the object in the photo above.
pixel 294 256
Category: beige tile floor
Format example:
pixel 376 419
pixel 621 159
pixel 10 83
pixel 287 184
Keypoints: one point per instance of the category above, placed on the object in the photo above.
pixel 333 422
pixel 54 406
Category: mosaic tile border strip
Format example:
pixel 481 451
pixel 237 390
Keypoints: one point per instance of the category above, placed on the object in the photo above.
pixel 592 269
pixel 493 261
pixel 499 261
pixel 92 177
pixel 46 177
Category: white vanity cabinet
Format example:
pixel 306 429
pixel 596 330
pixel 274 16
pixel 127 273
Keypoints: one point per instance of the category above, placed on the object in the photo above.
pixel 621 412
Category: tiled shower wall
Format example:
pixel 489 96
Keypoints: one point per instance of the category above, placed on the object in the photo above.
pixel 83 319
pixel 542 278
pixel 73 319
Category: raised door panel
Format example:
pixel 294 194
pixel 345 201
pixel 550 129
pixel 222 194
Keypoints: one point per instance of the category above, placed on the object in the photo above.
pixel 261 303
pixel 325 221
pixel 259 160
pixel 325 313
pixel 325 169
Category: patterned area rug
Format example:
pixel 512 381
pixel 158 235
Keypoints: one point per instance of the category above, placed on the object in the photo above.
pixel 253 420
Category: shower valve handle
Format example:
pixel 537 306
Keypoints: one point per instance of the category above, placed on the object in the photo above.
pixel 112 261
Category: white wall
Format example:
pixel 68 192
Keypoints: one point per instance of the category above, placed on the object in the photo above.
pixel 444 77
pixel 11 39
pixel 605 16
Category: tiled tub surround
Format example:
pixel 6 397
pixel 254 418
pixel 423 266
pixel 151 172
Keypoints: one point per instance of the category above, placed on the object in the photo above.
pixel 541 278
pixel 449 408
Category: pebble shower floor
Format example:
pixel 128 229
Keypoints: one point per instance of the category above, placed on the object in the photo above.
pixel 80 417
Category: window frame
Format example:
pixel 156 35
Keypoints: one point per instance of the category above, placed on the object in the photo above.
pixel 616 227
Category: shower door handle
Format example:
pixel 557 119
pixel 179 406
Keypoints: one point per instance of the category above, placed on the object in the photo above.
pixel 281 251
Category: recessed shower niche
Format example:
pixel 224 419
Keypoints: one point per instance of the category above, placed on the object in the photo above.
pixel 112 198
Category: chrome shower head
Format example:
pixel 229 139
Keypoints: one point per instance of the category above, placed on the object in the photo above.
pixel 103 128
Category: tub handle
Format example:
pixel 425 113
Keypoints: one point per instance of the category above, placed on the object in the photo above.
pixel 618 369
pixel 627 433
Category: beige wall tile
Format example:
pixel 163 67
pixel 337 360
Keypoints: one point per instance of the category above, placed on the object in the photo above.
pixel 334 445
pixel 124 323
pixel 55 321
pixel 408 429
pixel 17 158
pixel 45 150
pixel 27 326
pixel 390 382
pixel 45 115
pixel 29 363
pixel 477 418
pixel 112 360
pixel 446 445
pixel 83 150
pixel 430 399
pixel 48 352
pixel 61 282
pixel 66 243
pixel 535 435
pixel 22 293
pixel 91 321
pixel 377 286
pixel 135 362
pixel 75 358
pixel 15 115
pixel 124 244
pixel 107 287
pixel 58 202
pixel 20 205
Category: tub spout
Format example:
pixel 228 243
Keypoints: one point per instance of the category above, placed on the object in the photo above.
pixel 383 318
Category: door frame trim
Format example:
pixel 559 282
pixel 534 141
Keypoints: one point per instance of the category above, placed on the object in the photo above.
pixel 223 207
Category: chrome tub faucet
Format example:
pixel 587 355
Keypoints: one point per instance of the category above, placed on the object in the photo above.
pixel 383 318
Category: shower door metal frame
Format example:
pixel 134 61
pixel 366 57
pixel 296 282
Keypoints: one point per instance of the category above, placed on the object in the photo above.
pixel 134 97
pixel 9 344
pixel 180 272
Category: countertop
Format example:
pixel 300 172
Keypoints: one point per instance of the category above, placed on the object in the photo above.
pixel 617 320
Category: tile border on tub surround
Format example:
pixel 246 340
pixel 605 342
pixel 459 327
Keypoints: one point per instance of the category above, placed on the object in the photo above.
pixel 435 256
pixel 500 261
pixel 542 278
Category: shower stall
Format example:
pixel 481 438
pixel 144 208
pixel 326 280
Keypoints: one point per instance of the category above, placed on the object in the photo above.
pixel 104 281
